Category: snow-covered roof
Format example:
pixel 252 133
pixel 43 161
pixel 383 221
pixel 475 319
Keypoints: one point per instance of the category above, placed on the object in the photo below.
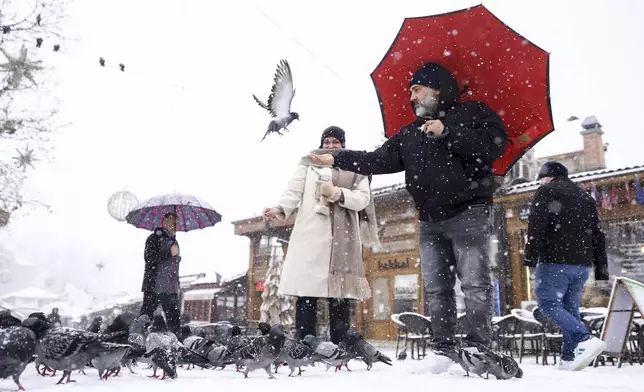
pixel 578 177
pixel 210 278
pixel 387 189
pixel 31 292
pixel 200 294
pixel 533 185
pixel 236 276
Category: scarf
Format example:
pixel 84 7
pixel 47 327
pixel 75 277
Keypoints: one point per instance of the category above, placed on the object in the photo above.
pixel 347 273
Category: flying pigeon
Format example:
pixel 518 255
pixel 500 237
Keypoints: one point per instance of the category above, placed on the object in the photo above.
pixel 329 352
pixel 262 352
pixel 67 349
pixel 17 349
pixel 365 350
pixel 279 102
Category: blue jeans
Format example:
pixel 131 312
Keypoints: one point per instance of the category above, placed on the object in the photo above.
pixel 559 288
pixel 457 246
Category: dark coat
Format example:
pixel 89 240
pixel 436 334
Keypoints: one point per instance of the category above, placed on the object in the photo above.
pixel 444 174
pixel 157 249
pixel 564 228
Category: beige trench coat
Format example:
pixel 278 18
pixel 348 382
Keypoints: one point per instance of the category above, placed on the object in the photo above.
pixel 308 259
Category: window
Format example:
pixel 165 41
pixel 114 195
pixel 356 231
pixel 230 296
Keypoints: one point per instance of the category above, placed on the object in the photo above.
pixel 406 293
pixel 381 299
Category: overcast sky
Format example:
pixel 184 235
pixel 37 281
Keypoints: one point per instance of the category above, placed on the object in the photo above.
pixel 181 118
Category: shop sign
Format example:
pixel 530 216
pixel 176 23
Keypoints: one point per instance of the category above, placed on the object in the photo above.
pixel 406 292
pixel 394 263
pixel 524 212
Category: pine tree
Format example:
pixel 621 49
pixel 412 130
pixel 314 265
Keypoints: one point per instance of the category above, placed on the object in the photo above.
pixel 275 309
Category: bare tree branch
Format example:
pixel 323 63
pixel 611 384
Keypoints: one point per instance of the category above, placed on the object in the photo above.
pixel 28 114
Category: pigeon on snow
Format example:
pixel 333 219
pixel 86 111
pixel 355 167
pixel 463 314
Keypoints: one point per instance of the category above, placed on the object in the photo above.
pixel 201 351
pixel 17 349
pixel 162 347
pixel 279 102
pixel 297 354
pixel 109 362
pixel 235 343
pixel 481 360
pixel 329 352
pixel 136 340
pixel 67 349
pixel 365 350
pixel 262 352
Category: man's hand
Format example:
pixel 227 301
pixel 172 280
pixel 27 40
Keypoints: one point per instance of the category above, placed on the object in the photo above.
pixel 174 250
pixel 271 213
pixel 323 160
pixel 433 127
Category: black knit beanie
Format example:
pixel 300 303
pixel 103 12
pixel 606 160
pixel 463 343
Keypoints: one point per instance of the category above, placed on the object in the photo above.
pixel 553 169
pixel 434 76
pixel 335 132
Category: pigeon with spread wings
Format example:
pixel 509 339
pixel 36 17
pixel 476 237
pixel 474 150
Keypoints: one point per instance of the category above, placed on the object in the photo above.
pixel 279 102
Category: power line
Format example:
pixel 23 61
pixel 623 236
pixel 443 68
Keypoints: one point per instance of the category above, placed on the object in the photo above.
pixel 297 42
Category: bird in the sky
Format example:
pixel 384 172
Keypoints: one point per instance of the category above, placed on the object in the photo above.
pixel 279 102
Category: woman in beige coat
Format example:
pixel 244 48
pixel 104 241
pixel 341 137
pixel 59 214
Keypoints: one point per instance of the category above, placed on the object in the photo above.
pixel 324 257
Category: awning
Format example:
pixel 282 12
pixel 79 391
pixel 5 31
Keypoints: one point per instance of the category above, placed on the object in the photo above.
pixel 201 294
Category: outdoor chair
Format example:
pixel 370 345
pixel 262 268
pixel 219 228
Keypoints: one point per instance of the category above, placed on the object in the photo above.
pixel 531 332
pixel 418 329
pixel 505 334
pixel 552 339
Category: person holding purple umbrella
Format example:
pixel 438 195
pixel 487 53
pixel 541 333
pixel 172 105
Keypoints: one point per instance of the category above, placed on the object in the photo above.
pixel 161 276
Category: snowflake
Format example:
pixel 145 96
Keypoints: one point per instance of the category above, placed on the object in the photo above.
pixel 19 67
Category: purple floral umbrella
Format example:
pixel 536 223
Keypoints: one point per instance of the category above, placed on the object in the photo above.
pixel 192 212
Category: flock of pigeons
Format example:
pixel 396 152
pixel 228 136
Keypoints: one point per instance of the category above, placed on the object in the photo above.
pixel 130 340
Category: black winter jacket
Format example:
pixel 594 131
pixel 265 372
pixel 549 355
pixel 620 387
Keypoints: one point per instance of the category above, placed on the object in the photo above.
pixel 157 249
pixel 444 174
pixel 564 228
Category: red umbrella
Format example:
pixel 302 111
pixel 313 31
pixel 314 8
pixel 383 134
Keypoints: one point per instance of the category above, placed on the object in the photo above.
pixel 492 63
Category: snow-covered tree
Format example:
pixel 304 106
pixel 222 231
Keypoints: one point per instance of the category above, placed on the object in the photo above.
pixel 275 309
pixel 27 110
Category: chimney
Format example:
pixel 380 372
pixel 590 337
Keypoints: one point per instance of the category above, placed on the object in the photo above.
pixel 594 148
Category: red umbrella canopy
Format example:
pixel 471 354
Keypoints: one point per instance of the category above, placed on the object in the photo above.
pixel 492 64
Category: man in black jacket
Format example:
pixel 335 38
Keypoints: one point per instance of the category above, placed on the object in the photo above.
pixel 564 240
pixel 447 156
pixel 161 275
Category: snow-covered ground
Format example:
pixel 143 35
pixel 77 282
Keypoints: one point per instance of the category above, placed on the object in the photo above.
pixel 380 378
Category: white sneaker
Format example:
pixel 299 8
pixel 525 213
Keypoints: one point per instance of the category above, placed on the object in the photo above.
pixel 433 363
pixel 565 365
pixel 586 352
